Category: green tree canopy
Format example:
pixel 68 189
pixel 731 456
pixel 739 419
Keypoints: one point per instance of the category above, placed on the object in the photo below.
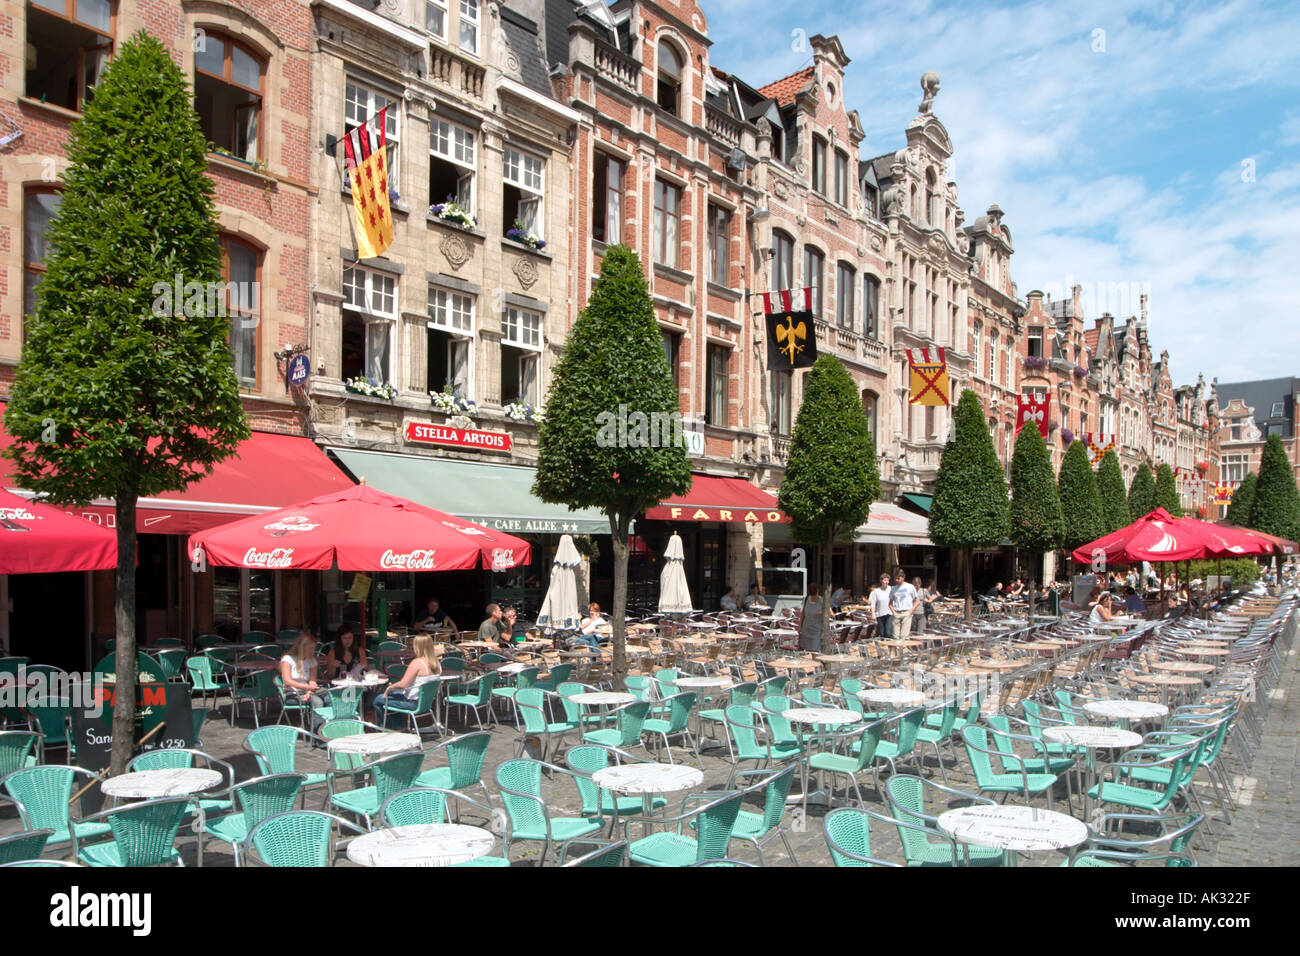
pixel 1110 486
pixel 611 438
pixel 1141 493
pixel 123 392
pixel 1167 492
pixel 1243 499
pixel 1276 508
pixel 1080 500
pixel 1036 522
pixel 970 507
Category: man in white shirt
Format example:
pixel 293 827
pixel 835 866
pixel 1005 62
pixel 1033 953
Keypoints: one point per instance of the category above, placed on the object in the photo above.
pixel 880 609
pixel 754 598
pixel 902 601
pixel 728 602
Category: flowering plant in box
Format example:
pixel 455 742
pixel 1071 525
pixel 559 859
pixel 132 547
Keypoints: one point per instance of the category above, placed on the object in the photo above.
pixel 1067 437
pixel 1036 362
pixel 519 233
pixel 1080 372
pixel 368 386
pixel 451 211
pixel 523 412
pixel 452 402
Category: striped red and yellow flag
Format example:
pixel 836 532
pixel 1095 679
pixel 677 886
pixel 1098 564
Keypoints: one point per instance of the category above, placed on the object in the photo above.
pixel 364 147
pixel 929 379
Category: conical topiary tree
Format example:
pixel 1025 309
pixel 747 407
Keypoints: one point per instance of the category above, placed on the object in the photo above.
pixel 1036 522
pixel 1141 493
pixel 122 393
pixel 1167 492
pixel 613 360
pixel 970 507
pixel 1276 508
pixel 1114 502
pixel 831 476
pixel 1080 501
pixel 1243 499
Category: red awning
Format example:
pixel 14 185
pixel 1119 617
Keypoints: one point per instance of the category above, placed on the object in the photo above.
pixel 719 499
pixel 269 472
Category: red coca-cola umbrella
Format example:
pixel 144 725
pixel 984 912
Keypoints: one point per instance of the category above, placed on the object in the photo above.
pixel 40 539
pixel 1160 537
pixel 1280 545
pixel 359 529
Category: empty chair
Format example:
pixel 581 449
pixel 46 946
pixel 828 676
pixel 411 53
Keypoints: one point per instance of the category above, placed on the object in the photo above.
pixel 144 834
pixel 520 783
pixel 257 799
pixel 296 838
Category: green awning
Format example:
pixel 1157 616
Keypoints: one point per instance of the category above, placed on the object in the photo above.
pixel 921 501
pixel 498 496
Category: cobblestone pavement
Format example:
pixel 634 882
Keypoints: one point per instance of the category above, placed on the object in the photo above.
pixel 1264 830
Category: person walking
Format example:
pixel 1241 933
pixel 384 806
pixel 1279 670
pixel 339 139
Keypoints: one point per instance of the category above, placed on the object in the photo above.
pixel 902 601
pixel 880 609
pixel 810 625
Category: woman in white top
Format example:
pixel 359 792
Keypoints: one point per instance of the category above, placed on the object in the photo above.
pixel 298 667
pixel 810 626
pixel 881 612
pixel 422 669
pixel 1101 611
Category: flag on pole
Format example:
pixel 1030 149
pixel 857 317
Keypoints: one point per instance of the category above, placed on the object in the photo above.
pixel 929 384
pixel 1223 494
pixel 1098 445
pixel 791 333
pixel 1033 408
pixel 364 148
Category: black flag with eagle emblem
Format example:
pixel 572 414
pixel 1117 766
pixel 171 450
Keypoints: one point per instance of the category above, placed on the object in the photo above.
pixel 791 335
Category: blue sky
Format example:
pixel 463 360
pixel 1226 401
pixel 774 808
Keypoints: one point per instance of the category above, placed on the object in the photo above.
pixel 1132 146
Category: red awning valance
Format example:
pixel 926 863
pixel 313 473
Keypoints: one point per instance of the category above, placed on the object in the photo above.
pixel 712 498
pixel 270 471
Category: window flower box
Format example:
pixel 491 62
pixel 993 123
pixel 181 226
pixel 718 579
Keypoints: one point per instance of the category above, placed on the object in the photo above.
pixel 1035 362
pixel 1080 372
pixel 1202 466
pixel 519 233
pixel 523 412
pixel 1067 437
pixel 371 388
pixel 451 211
pixel 452 402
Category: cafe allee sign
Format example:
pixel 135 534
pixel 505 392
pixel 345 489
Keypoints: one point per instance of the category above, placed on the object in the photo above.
pixel 421 433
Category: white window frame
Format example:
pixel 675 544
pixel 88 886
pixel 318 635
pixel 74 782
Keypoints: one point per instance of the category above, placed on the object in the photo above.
pixel 461 150
pixel 667 248
pixel 471 19
pixel 374 100
pixel 441 6
pixel 516 331
pixel 375 307
pixel 518 171
pixel 449 315
pixel 846 280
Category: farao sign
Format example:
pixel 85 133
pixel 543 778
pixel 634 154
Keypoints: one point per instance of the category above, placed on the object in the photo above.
pixel 425 434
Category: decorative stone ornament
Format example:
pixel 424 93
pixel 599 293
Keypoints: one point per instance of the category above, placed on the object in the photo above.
pixel 456 250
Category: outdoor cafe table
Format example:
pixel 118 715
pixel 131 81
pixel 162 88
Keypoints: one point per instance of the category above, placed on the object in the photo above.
pixel 1126 710
pixel 1184 667
pixel 1201 650
pixel 369 682
pixel 155 784
pixel 1011 828
pixel 891 696
pixel 1166 681
pixel 421 844
pixel 604 699
pixel 812 717
pixel 1092 739
pixel 368 745
pixel 647 779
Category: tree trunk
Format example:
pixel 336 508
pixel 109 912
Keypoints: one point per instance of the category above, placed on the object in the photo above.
pixel 966 562
pixel 826 591
pixel 619 529
pixel 124 663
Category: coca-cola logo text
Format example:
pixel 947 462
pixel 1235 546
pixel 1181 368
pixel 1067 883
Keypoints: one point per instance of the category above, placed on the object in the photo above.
pixel 291 524
pixel 420 559
pixel 502 558
pixel 275 558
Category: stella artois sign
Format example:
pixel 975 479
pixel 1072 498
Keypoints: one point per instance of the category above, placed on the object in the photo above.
pixel 425 434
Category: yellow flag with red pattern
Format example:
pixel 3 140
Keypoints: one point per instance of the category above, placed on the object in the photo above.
pixel 364 147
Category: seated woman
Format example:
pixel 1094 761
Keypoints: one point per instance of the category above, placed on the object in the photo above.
pixel 1101 611
pixel 424 667
pixel 298 670
pixel 346 658
pixel 590 627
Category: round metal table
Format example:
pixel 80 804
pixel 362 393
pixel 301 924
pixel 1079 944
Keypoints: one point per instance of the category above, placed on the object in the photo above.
pixel 155 784
pixel 1013 829
pixel 370 744
pixel 648 779
pixel 424 844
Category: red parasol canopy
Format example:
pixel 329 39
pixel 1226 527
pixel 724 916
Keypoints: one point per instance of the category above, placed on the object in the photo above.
pixel 40 539
pixel 1160 537
pixel 1280 545
pixel 362 529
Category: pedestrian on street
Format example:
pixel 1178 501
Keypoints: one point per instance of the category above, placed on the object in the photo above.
pixel 810 626
pixel 902 601
pixel 880 609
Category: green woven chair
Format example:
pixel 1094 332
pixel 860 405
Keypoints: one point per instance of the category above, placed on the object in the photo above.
pixel 276 749
pixel 1172 847
pixel 610 854
pixel 391 774
pixel 779 730
pixel 144 834
pixel 1020 781
pixel 209 640
pixel 1145 765
pixel 257 688
pixel 27 845
pixel 18 749
pixel 177 758
pixel 43 795
pixel 712 822
pixel 296 838
pixel 478 698
pixel 585 760
pixel 50 717
pixel 942 734
pixel 258 799
pixel 559 675
pixel 464 770
pixel 520 783
pixel 203 678
pixel 295 704
pixel 924 844
pixel 750 743
pixel 171 661
pixel 762 827
pixel 906 725
pixel 859 758
pixel 741 695
pixel 627 732
pixel 848 837
pixel 344 703
pixel 423 805
pixel 424 704
pixel 676 723
pixel 973 704
pixel 523 680
pixel 530 707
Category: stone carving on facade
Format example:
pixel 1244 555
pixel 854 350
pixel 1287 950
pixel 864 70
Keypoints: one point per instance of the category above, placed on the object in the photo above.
pixel 461 421
pixel 929 89
pixel 780 191
pixel 456 250
pixel 525 271
pixel 876 244
pixel 894 201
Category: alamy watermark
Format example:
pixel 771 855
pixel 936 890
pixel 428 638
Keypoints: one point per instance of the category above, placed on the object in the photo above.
pixel 638 429
pixel 195 299
pixel 84 692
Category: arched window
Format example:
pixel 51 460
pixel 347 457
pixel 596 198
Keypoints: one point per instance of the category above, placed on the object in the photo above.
pixel 782 261
pixel 228 86
pixel 915 207
pixel 668 90
pixel 932 214
pixel 814 267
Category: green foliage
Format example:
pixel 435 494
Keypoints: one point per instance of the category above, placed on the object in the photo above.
pixel 1114 502
pixel 1036 521
pixel 1276 508
pixel 831 477
pixel 1167 492
pixel 970 508
pixel 140 402
pixel 1080 500
pixel 613 357
pixel 1142 494
pixel 1243 571
pixel 1243 499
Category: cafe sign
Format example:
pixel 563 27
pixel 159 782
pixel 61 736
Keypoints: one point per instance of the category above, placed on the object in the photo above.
pixel 427 434
pixel 691 513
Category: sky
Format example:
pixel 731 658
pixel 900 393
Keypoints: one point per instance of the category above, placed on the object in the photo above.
pixel 1132 146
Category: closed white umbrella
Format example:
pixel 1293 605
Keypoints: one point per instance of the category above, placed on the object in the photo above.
pixel 674 595
pixel 560 607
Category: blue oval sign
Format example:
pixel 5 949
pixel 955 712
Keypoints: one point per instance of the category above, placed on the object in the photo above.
pixel 299 369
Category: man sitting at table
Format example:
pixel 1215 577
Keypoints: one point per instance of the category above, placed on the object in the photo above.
pixel 512 629
pixel 839 596
pixel 754 598
pixel 728 602
pixel 1134 603
pixel 434 616
pixel 490 630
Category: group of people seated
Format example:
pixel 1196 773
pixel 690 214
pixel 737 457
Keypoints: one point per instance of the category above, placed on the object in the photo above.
pixel 729 601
